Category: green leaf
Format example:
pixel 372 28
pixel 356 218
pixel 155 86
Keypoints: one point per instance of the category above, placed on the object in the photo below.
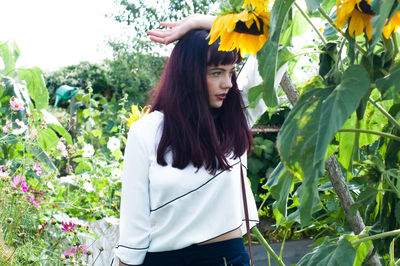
pixel 273 178
pixel 313 4
pixel 9 139
pixel 297 142
pixel 362 252
pixel 47 139
pixel 62 132
pixel 36 86
pixel 267 56
pixel 389 85
pixel 337 108
pixel 9 52
pixel 297 27
pixel 379 21
pixel 42 156
pixel 281 191
pixel 330 254
pixel 255 95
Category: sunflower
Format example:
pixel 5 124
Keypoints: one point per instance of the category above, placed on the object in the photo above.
pixel 137 113
pixel 360 14
pixel 392 26
pixel 246 31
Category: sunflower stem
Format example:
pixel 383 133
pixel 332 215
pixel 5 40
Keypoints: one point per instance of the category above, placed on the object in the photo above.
pixel 311 23
pixel 325 15
pixel 265 244
pixel 385 113
pixel 377 236
pixel 396 45
pixel 374 132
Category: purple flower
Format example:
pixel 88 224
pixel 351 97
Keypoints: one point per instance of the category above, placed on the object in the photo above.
pixel 68 227
pixel 16 104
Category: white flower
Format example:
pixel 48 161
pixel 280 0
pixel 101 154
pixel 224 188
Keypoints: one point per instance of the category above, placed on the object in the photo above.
pixel 88 187
pixel 112 220
pixel 50 186
pixel 61 147
pixel 33 134
pixel 22 127
pixel 116 173
pixel 67 179
pixel 113 144
pixel 88 150
pixel 85 177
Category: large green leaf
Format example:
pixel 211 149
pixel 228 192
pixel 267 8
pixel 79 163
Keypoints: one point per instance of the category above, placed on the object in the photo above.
pixel 47 139
pixel 313 4
pixel 389 85
pixel 297 27
pixel 330 254
pixel 267 56
pixel 62 132
pixel 337 108
pixel 36 86
pixel 9 52
pixel 297 142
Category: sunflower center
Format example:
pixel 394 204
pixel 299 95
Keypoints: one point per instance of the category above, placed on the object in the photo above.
pixel 365 8
pixel 253 30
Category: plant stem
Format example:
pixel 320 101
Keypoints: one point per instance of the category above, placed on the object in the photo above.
pixel 312 24
pixel 377 236
pixel 323 13
pixel 267 246
pixel 385 113
pixel 374 132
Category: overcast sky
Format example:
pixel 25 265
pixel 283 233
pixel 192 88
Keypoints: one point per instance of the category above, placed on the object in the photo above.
pixel 55 33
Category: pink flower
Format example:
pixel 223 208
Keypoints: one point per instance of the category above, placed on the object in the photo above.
pixel 33 201
pixel 68 253
pixel 15 182
pixel 19 181
pixel 82 249
pixel 68 227
pixel 37 168
pixel 16 104
pixel 61 147
pixel 6 128
pixel 42 227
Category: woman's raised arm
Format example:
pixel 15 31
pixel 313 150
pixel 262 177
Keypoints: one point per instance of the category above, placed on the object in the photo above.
pixel 179 28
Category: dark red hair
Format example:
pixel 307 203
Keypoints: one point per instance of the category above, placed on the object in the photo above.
pixel 192 131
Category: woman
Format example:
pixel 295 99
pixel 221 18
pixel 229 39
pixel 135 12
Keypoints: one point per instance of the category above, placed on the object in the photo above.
pixel 182 198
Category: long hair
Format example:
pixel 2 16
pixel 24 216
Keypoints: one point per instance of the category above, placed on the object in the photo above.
pixel 192 131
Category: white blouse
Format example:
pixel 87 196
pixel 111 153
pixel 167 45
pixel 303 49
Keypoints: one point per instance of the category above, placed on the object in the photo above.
pixel 165 208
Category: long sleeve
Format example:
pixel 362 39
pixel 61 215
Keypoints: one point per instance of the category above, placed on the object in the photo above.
pixel 249 77
pixel 135 203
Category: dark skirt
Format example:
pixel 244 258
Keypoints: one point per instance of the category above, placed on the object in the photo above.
pixel 229 252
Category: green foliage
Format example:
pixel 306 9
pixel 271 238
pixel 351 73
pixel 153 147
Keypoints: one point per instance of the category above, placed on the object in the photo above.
pixel 267 56
pixel 330 254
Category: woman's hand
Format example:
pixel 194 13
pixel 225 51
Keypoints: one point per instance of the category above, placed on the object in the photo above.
pixel 179 28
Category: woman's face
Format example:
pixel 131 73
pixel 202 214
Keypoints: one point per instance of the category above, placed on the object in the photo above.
pixel 219 81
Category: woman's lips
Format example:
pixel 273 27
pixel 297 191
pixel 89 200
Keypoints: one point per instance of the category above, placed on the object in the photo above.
pixel 221 97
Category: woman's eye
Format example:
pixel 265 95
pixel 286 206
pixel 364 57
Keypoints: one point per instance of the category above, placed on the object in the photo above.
pixel 216 73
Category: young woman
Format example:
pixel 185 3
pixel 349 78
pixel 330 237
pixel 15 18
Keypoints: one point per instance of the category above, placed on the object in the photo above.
pixel 182 201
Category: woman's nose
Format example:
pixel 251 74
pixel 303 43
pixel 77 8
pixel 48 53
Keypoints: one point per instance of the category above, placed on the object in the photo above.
pixel 227 82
